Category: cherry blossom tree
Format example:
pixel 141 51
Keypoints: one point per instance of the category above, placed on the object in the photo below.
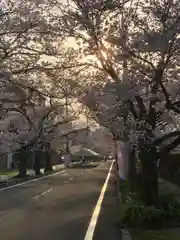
pixel 136 45
pixel 130 47
pixel 34 67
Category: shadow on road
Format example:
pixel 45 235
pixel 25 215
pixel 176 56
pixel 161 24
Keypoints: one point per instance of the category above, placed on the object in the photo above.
pixel 84 166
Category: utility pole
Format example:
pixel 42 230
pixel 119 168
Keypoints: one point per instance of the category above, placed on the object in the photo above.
pixel 125 64
pixel 124 51
pixel 87 127
pixel 66 113
pixel 123 134
pixel 87 124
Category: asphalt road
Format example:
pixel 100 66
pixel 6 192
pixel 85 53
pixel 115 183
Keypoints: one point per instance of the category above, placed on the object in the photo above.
pixel 58 207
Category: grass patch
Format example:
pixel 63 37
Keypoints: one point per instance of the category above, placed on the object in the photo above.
pixel 15 179
pixel 8 173
pixel 162 234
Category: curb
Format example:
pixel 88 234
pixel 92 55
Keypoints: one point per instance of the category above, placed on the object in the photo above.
pixel 4 178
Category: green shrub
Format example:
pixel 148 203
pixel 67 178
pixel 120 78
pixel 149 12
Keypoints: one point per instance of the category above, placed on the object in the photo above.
pixel 138 215
pixel 170 206
pixel 135 214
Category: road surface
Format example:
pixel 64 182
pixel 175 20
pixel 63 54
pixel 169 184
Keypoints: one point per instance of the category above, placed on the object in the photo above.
pixel 58 207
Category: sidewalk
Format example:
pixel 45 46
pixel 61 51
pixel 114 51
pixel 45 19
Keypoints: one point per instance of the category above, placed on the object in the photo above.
pixel 106 227
pixel 30 172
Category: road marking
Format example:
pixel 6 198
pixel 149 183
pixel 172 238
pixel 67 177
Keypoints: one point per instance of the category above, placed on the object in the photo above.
pixel 34 180
pixel 125 234
pixel 93 222
pixel 36 197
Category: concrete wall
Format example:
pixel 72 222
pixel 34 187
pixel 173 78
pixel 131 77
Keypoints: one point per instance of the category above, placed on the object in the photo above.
pixel 55 158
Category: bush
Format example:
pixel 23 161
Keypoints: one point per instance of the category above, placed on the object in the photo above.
pixel 136 215
pixel 170 206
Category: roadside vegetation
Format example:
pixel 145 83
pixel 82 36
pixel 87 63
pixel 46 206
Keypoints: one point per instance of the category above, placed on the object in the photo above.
pixel 116 62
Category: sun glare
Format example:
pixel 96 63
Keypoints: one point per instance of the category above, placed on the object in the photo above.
pixel 104 54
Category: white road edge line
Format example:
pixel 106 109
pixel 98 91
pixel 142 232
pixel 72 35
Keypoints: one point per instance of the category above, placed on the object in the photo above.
pixel 34 180
pixel 36 197
pixel 94 218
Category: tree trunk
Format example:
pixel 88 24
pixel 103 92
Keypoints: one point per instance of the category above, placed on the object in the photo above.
pixel 22 164
pixel 132 166
pixel 37 163
pixel 148 178
pixel 48 163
